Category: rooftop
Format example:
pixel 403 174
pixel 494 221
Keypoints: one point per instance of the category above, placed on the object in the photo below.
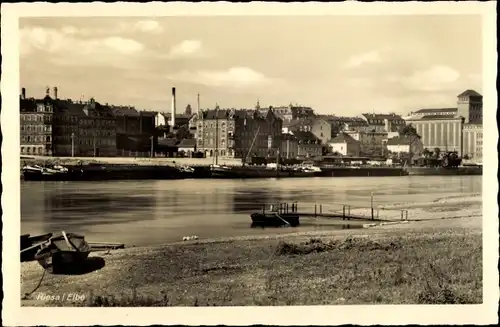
pixel 399 140
pixel 469 93
pixel 433 110
pixel 343 138
pixel 389 117
pixel 187 143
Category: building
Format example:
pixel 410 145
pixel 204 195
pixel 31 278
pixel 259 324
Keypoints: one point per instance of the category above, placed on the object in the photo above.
pixel 288 113
pixel 187 147
pixel 238 133
pixel 345 145
pixel 433 112
pixel 341 123
pixel 470 106
pixel 36 125
pixel 439 131
pixel 405 144
pixel 135 131
pixel 372 144
pixel 453 129
pixel 309 146
pixel 473 142
pixel 384 122
pixel 96 131
pixel 316 125
pixel 289 146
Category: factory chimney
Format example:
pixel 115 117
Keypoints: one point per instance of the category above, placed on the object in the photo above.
pixel 23 93
pixel 55 92
pixel 172 118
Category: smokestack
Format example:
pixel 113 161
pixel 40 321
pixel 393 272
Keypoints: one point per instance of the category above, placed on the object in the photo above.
pixel 55 92
pixel 172 119
pixel 23 93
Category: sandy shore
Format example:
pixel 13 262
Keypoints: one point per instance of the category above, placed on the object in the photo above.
pixel 432 261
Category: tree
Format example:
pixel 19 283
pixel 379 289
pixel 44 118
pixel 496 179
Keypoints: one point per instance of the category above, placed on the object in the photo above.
pixel 188 110
pixel 408 130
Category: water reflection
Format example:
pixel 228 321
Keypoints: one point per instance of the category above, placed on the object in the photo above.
pixel 149 212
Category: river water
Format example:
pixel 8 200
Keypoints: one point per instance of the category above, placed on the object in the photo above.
pixel 156 212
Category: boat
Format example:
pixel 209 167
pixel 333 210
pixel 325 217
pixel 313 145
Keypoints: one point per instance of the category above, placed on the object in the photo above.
pixel 31 244
pixel 39 173
pixel 277 216
pixel 274 220
pixel 62 251
pixel 447 164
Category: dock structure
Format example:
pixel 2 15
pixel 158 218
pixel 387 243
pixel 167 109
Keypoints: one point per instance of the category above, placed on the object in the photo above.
pixel 341 211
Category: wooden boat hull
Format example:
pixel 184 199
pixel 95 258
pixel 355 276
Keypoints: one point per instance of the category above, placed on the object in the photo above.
pixel 63 252
pixel 30 245
pixel 274 220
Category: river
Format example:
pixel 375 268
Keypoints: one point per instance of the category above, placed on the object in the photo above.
pixel 155 212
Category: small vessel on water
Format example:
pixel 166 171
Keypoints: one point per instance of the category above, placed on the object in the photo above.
pixel 278 215
pixel 49 173
pixel 62 251
pixel 447 164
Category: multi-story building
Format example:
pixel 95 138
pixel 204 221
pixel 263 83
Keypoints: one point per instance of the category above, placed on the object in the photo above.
pixel 384 122
pixel 316 125
pixel 36 125
pixel 309 146
pixel 473 142
pixel 452 129
pixel 287 113
pixel 341 123
pixel 66 127
pixel 345 145
pixel 135 131
pixel 373 144
pixel 439 131
pixel 97 131
pixel 238 133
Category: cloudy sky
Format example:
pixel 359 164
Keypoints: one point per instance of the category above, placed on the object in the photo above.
pixel 344 65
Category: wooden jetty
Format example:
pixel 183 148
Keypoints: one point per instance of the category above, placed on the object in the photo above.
pixel 340 211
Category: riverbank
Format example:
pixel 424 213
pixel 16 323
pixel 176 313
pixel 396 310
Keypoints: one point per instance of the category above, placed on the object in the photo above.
pixel 418 262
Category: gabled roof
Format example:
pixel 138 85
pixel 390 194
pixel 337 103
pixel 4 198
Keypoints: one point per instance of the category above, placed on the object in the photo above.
pixel 187 143
pixel 343 138
pixel 469 93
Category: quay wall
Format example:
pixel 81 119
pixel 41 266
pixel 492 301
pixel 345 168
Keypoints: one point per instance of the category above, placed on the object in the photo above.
pixel 130 161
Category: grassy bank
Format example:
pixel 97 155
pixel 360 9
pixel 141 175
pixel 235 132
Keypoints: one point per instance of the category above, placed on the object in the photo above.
pixel 399 267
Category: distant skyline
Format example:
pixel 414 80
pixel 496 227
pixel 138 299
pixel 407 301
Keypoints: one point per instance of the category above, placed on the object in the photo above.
pixel 343 65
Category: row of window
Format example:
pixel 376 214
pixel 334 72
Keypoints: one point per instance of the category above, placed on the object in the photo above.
pixel 32 150
pixel 97 142
pixel 35 117
pixel 35 139
pixel 36 128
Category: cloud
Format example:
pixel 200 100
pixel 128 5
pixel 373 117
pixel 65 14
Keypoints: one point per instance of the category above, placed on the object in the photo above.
pixel 148 26
pixel 235 77
pixel 436 78
pixel 64 47
pixel 187 48
pixel 364 58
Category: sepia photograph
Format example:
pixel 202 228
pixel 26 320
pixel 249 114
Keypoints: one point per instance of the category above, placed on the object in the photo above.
pixel 250 160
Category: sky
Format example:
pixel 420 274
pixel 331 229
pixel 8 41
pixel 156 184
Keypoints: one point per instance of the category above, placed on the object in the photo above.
pixel 343 65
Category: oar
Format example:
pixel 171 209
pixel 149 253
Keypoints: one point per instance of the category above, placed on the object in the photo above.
pixel 69 242
pixel 286 222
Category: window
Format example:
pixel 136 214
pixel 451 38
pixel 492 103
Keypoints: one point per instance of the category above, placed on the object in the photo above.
pixel 22 149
